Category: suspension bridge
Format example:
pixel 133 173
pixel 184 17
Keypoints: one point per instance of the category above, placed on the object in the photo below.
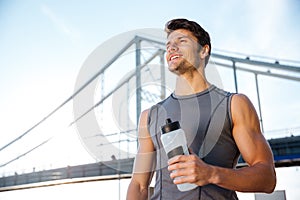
pixel 132 79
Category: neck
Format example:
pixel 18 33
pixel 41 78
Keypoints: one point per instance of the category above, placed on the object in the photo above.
pixel 191 83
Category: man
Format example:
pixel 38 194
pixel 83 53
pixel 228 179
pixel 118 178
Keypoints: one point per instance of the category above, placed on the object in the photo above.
pixel 219 126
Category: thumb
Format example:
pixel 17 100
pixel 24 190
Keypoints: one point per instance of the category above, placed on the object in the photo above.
pixel 191 151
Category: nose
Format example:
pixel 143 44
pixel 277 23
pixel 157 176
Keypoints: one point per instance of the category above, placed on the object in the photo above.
pixel 172 47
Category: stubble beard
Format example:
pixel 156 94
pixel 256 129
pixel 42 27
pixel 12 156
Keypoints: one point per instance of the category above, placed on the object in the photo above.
pixel 183 67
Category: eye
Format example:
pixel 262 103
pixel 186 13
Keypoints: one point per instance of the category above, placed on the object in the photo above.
pixel 167 47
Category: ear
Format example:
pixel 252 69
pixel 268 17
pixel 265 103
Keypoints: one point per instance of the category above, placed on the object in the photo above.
pixel 204 51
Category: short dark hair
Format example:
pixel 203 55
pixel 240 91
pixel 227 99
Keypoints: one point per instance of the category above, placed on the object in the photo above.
pixel 201 35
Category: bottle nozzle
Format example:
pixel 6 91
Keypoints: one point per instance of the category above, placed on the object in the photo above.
pixel 168 121
pixel 170 126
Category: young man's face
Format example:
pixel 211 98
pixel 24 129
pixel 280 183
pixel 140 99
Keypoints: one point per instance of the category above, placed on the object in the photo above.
pixel 182 51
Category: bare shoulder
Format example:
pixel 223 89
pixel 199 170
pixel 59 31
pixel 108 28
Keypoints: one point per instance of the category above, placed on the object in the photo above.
pixel 242 108
pixel 239 100
pixel 244 117
pixel 144 136
pixel 247 133
pixel 144 116
pixel 143 124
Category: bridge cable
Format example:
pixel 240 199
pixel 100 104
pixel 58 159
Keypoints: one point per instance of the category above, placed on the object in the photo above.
pixel 74 94
pixel 41 144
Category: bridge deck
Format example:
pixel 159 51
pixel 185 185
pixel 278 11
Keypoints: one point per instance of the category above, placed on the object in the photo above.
pixel 286 153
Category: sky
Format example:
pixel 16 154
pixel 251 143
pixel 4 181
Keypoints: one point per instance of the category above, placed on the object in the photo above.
pixel 43 45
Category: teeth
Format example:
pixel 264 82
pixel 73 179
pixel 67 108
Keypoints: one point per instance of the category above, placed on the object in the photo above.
pixel 172 58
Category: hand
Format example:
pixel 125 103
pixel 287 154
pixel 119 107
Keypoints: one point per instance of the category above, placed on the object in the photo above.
pixel 189 169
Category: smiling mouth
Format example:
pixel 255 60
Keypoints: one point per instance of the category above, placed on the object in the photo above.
pixel 174 57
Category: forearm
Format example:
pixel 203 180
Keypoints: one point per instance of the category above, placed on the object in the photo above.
pixel 136 192
pixel 257 178
pixel 141 177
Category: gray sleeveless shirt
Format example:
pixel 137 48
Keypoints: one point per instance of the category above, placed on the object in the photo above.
pixel 205 117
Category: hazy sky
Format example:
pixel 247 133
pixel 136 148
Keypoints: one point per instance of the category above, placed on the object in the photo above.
pixel 43 45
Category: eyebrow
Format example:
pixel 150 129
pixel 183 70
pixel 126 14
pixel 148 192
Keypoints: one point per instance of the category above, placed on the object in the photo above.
pixel 178 38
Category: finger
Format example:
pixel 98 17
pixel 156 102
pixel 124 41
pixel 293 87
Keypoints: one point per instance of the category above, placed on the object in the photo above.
pixel 176 159
pixel 178 173
pixel 182 158
pixel 175 166
pixel 183 179
pixel 182 176
pixel 180 165
pixel 179 180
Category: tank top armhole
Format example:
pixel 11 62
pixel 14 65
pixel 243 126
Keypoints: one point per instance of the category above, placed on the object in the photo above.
pixel 149 117
pixel 230 95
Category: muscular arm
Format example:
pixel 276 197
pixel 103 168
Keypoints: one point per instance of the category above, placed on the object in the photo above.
pixel 259 176
pixel 144 163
